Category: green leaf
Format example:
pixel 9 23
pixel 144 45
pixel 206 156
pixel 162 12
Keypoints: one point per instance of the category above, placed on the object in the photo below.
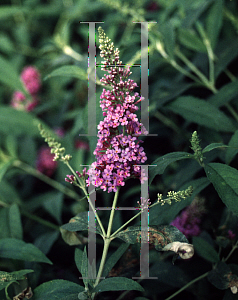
pixel 190 39
pixel 167 30
pixel 18 122
pixel 113 259
pixel 213 146
pixel 214 22
pixel 165 160
pixel 226 55
pixel 58 289
pixel 4 224
pixel 54 206
pixel 159 236
pixel 72 238
pixel 224 179
pixel 69 71
pixel 199 111
pixel 46 240
pixel 118 284
pixel 7 11
pixel 81 223
pixel 87 269
pixel 205 250
pixel 225 94
pixel 15 222
pixel 233 149
pixel 10 77
pixel 78 257
pixel 17 249
pixel 7 277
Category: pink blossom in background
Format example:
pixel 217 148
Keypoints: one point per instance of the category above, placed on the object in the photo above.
pixel 45 163
pixel 79 144
pixel 231 235
pixel 30 77
pixel 188 222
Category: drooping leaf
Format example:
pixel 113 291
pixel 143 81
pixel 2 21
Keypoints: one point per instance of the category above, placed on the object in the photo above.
pixel 205 250
pixel 161 163
pixel 58 289
pixel 199 111
pixel 73 238
pixel 159 236
pixel 118 284
pixel 213 146
pixel 17 249
pixel 224 179
pixel 233 150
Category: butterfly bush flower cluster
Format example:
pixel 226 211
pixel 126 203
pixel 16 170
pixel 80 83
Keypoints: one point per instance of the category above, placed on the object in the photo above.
pixel 30 77
pixel 118 151
pixel 188 222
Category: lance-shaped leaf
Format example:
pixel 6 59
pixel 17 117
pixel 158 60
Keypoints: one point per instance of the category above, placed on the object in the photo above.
pixel 224 179
pixel 81 223
pixel 17 249
pixel 118 284
pixel 163 237
pixel 213 146
pixel 58 289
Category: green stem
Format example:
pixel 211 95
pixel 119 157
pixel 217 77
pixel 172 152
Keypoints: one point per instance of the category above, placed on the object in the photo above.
pixel 135 216
pixel 82 186
pixel 209 51
pixel 107 240
pixel 193 68
pixel 187 285
pixel 232 250
pixel 30 170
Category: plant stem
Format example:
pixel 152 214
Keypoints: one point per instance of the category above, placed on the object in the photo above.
pixel 107 240
pixel 30 170
pixel 187 285
pixel 82 186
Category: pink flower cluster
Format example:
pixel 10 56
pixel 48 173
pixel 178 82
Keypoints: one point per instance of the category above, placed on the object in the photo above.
pixel 189 220
pixel 45 163
pixel 118 151
pixel 31 80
